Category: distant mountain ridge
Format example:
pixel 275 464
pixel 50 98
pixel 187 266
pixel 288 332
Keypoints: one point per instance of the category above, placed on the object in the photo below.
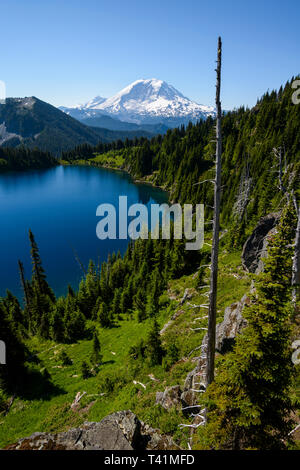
pixel 149 101
pixel 34 123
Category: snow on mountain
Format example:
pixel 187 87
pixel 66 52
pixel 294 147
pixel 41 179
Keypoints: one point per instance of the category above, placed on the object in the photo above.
pixel 146 101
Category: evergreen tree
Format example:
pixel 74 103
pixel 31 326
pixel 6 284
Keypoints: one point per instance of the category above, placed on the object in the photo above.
pixel 85 371
pixel 249 404
pixel 154 349
pixel 96 354
pixel 38 273
pixel 140 306
pixel 104 317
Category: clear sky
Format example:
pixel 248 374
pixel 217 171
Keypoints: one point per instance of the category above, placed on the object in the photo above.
pixel 68 51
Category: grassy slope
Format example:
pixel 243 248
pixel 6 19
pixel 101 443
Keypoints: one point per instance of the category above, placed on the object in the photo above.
pixel 44 408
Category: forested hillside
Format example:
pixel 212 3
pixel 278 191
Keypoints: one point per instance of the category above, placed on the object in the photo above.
pixel 131 328
pixel 252 141
pixel 37 124
pixel 22 158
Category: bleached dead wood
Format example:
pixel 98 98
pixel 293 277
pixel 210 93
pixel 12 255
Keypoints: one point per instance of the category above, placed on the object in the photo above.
pixel 77 399
pixel 216 229
pixel 139 383
pixel 296 261
pixel 295 429
pixel 197 306
pixel 204 181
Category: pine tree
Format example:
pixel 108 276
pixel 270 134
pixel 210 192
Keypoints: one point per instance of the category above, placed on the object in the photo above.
pixel 85 371
pixel 104 317
pixel 38 273
pixel 250 402
pixel 154 349
pixel 140 306
pixel 40 296
pixel 96 357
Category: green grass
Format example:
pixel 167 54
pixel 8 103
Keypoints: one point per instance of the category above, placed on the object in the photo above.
pixel 112 159
pixel 45 406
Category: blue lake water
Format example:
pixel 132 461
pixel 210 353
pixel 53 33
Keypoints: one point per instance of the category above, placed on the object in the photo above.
pixel 59 206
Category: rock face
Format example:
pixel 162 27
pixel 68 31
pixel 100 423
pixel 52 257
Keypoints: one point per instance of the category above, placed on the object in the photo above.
pixel 119 431
pixel 255 246
pixel 232 324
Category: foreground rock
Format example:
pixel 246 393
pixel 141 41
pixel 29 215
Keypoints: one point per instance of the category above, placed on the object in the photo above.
pixel 255 246
pixel 118 431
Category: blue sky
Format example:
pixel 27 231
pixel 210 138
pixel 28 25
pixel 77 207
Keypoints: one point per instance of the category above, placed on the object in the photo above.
pixel 67 52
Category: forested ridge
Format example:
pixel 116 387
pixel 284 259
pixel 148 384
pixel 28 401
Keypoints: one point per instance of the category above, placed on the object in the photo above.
pixel 260 172
pixel 185 156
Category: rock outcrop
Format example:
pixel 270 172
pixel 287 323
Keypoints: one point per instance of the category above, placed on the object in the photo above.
pixel 255 246
pixel 171 397
pixel 232 325
pixel 119 431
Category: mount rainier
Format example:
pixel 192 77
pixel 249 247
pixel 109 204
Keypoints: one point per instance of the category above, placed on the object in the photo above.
pixel 143 102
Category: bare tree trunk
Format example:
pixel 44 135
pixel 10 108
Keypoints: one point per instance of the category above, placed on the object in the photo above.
pixel 216 228
pixel 296 261
pixel 278 155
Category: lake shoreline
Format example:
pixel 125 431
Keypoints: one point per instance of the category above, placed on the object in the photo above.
pixel 59 206
pixel 121 169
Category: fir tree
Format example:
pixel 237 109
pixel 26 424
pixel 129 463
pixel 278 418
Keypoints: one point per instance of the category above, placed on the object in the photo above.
pixel 154 349
pixel 85 371
pixel 249 404
pixel 96 357
pixel 104 317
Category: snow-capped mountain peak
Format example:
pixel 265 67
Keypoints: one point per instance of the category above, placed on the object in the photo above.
pixel 149 101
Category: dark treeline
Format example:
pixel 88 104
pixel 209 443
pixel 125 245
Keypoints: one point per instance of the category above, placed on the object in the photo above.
pixel 22 158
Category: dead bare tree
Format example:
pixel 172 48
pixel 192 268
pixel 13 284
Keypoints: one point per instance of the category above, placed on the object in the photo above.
pixel 216 229
pixel 278 154
pixel 296 258
pixel 243 195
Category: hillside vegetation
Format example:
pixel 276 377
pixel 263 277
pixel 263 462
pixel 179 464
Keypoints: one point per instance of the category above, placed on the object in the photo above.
pixel 104 338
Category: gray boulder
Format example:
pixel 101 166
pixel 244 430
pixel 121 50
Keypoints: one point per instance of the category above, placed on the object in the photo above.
pixel 119 431
pixel 231 326
pixel 255 246
pixel 170 397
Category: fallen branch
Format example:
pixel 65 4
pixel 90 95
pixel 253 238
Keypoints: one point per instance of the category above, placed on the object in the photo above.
pixel 294 430
pixel 197 306
pixel 196 349
pixel 139 383
pixel 205 181
pixel 77 399
pixel 188 407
